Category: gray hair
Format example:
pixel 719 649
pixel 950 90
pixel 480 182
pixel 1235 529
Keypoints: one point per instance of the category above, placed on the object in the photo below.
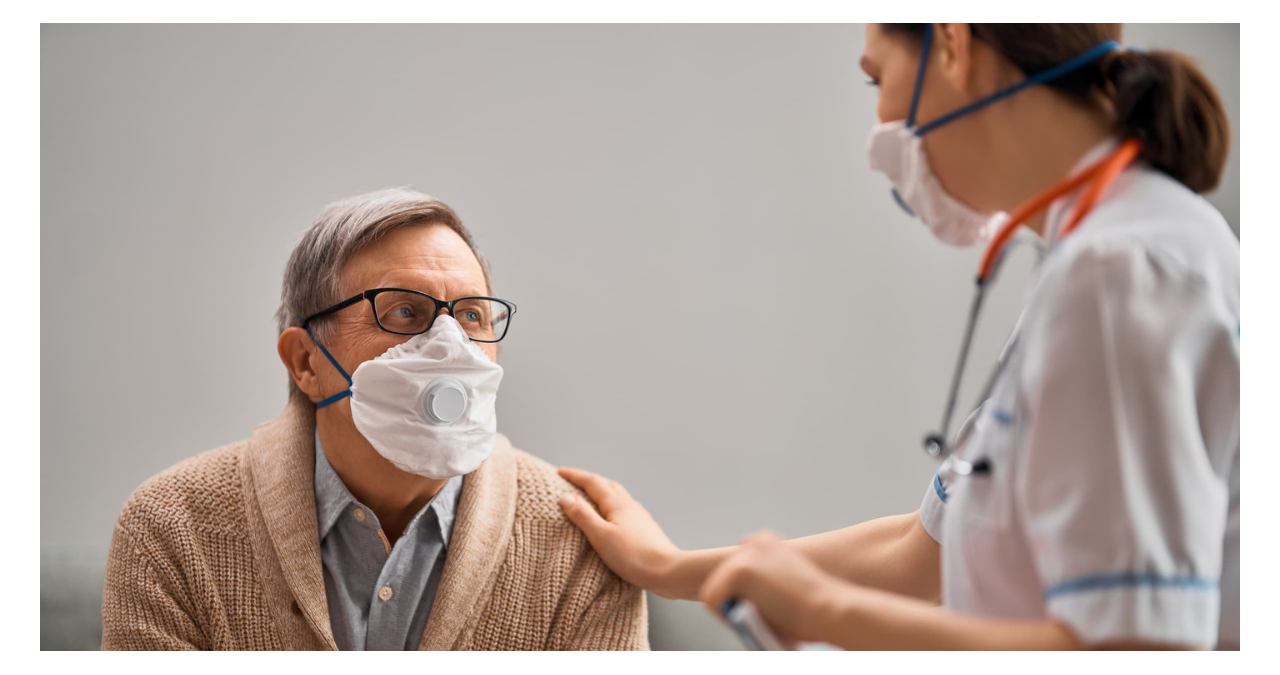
pixel 343 229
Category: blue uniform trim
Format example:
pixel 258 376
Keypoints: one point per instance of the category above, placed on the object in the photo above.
pixel 1002 416
pixel 1114 579
pixel 937 487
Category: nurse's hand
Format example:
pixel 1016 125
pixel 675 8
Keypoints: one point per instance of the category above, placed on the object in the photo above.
pixel 796 598
pixel 624 534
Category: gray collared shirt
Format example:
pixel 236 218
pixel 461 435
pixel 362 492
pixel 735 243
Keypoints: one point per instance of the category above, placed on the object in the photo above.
pixel 379 596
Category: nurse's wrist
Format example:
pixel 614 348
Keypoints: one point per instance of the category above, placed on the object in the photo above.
pixel 855 617
pixel 674 577
pixel 829 612
pixel 681 573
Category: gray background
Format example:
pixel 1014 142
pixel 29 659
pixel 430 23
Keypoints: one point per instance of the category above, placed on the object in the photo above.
pixel 768 339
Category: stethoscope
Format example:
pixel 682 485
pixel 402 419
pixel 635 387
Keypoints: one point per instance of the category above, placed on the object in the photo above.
pixel 1097 177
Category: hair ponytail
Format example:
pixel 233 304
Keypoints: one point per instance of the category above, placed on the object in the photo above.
pixel 1164 100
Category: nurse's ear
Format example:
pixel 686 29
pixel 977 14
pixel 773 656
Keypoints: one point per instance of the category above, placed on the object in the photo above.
pixel 953 48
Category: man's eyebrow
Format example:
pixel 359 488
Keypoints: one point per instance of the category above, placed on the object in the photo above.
pixel 865 63
pixel 466 292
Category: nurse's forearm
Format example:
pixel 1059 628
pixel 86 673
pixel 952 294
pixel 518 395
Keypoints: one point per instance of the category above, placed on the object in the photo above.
pixel 866 618
pixel 893 553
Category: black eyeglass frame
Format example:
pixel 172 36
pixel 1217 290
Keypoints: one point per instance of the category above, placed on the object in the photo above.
pixel 440 304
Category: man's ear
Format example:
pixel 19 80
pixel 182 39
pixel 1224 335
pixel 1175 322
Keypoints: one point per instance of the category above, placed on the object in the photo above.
pixel 954 43
pixel 294 347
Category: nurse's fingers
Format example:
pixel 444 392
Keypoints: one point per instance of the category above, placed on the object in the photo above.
pixel 597 487
pixel 724 582
pixel 735 576
pixel 580 513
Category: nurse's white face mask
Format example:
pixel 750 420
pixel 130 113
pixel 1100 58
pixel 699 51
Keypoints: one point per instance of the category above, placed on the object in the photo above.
pixel 896 149
pixel 429 405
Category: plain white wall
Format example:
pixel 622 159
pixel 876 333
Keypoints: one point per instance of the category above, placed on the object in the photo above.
pixel 719 304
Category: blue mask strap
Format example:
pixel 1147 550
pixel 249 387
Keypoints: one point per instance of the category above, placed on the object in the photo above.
pixel 333 399
pixel 341 395
pixel 926 43
pixel 1039 78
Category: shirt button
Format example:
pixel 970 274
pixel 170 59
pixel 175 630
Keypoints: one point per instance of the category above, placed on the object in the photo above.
pixel 359 514
pixel 384 593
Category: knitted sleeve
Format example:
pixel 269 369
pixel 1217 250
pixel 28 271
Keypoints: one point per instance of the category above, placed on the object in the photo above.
pixel 140 606
pixel 615 620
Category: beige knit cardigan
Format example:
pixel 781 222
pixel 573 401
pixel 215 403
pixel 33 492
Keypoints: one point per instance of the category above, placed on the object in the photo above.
pixel 221 551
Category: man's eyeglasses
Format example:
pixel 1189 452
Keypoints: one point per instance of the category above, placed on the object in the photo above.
pixel 405 312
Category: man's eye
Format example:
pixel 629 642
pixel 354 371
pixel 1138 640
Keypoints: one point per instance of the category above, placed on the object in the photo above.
pixel 404 312
pixel 872 82
pixel 471 315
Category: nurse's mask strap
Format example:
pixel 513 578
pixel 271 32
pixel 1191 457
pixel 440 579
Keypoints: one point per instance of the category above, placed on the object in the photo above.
pixel 1041 77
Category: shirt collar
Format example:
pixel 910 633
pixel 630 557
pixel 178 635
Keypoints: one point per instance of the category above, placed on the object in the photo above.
pixel 446 505
pixel 333 497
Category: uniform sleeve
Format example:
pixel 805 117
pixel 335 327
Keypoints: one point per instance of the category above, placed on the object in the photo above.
pixel 933 508
pixel 140 609
pixel 1124 498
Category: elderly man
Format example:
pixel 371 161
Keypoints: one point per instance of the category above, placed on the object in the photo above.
pixel 381 510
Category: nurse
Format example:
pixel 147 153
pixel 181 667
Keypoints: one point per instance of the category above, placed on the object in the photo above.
pixel 1092 499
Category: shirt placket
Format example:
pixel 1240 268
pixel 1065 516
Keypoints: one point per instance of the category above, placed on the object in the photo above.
pixel 401 584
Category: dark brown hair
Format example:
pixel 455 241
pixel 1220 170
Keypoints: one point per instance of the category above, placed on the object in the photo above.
pixel 1159 97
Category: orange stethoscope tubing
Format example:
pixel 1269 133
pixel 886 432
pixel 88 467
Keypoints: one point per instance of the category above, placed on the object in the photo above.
pixel 1099 176
pixel 1096 178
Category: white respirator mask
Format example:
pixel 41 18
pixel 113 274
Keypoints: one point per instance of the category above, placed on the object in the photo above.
pixel 427 405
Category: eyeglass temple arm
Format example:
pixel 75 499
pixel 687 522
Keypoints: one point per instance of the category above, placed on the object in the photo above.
pixel 340 306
